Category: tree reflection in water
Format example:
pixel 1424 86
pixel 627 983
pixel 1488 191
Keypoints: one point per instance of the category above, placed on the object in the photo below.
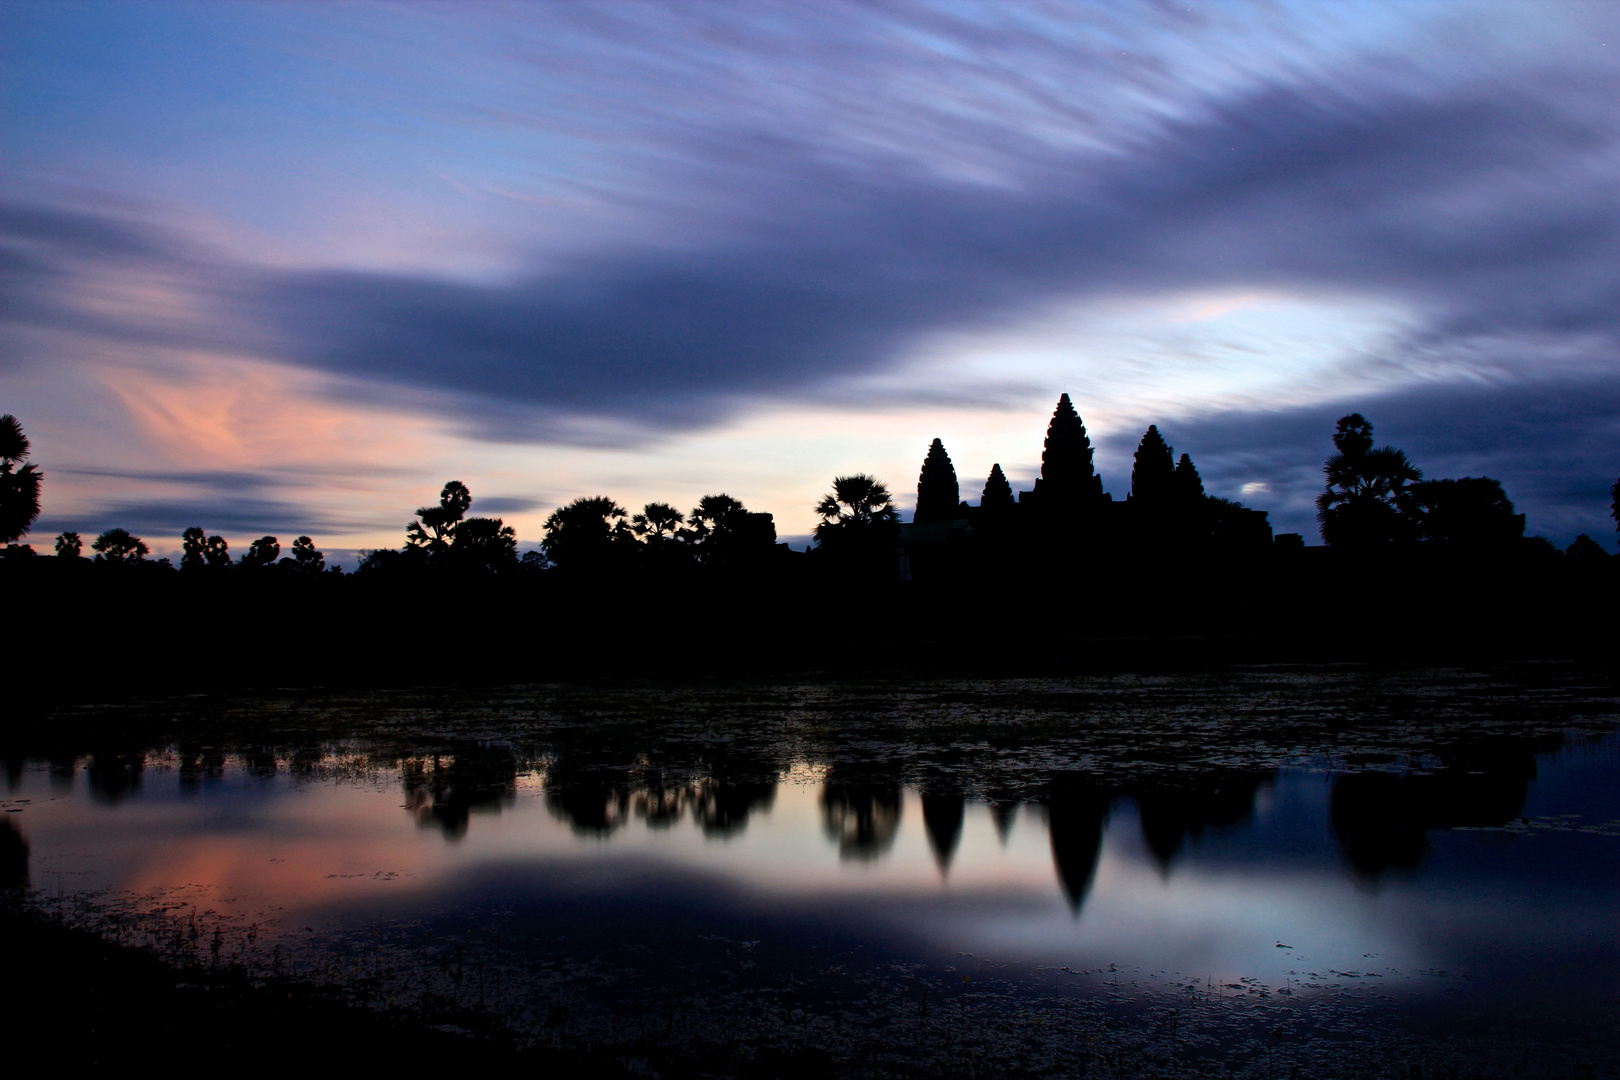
pixel 114 773
pixel 861 811
pixel 721 806
pixel 1172 814
pixel 596 796
pixel 1382 819
pixel 444 790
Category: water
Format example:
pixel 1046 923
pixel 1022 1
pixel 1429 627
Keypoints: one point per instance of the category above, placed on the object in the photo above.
pixel 1030 874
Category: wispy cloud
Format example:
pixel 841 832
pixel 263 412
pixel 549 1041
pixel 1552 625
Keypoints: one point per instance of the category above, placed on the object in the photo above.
pixel 675 216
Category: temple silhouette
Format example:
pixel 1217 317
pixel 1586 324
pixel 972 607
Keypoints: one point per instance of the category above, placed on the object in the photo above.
pixel 1064 574
pixel 1068 512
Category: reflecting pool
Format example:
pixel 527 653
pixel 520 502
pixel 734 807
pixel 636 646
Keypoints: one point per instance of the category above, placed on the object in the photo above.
pixel 1185 870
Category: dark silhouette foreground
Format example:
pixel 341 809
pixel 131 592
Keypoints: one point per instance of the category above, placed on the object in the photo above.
pixel 1062 575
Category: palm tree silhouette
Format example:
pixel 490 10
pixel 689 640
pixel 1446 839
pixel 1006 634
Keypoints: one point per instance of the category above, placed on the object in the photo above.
pixel 19 487
pixel 657 522
pixel 586 533
pixel 437 524
pixel 856 503
pixel 118 546
pixel 1368 497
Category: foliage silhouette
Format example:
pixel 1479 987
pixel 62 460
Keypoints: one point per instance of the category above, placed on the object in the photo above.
pixel 997 497
pixel 19 482
pixel 1614 504
pixel 118 546
pixel 306 559
pixel 1369 500
pixel 484 544
pixel 1472 511
pixel 589 533
pixel 388 561
pixel 1226 519
pixel 191 549
pixel 858 507
pixel 435 525
pixel 657 524
pixel 1587 552
pixel 983 580
pixel 1153 476
pixel 716 514
pixel 69 545
pixel 261 553
pixel 938 494
pixel 199 551
pixel 724 533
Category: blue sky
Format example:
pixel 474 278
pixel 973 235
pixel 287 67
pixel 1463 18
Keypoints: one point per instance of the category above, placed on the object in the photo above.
pixel 287 268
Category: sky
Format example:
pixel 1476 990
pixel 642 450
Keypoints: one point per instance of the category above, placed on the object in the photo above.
pixel 287 268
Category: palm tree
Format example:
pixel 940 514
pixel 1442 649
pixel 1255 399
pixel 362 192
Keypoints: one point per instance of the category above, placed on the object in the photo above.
pixel 1368 497
pixel 857 505
pixel 305 555
pixel 586 532
pixel 485 544
pixel 19 487
pixel 437 524
pixel 657 522
pixel 201 551
pixel 716 514
pixel 261 553
pixel 118 546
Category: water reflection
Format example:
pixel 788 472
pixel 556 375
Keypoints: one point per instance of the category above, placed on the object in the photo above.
pixel 1075 815
pixel 115 773
pixel 443 791
pixel 943 813
pixel 1383 820
pixel 860 811
pixel 200 765
pixel 722 805
pixel 824 846
pixel 1173 814
pixel 1380 820
pixel 13 855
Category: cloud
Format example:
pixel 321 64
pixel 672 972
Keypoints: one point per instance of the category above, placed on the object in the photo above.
pixel 503 505
pixel 789 248
pixel 234 503
pixel 238 516
pixel 1481 203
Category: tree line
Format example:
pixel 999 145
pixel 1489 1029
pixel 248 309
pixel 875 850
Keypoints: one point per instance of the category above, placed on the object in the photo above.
pixel 1374 498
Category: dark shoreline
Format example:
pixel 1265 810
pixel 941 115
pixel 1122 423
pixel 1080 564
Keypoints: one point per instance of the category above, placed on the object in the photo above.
pixel 74 990
pixel 110 633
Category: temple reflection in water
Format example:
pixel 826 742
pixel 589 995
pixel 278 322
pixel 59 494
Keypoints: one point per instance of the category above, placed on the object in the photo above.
pixel 1380 820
